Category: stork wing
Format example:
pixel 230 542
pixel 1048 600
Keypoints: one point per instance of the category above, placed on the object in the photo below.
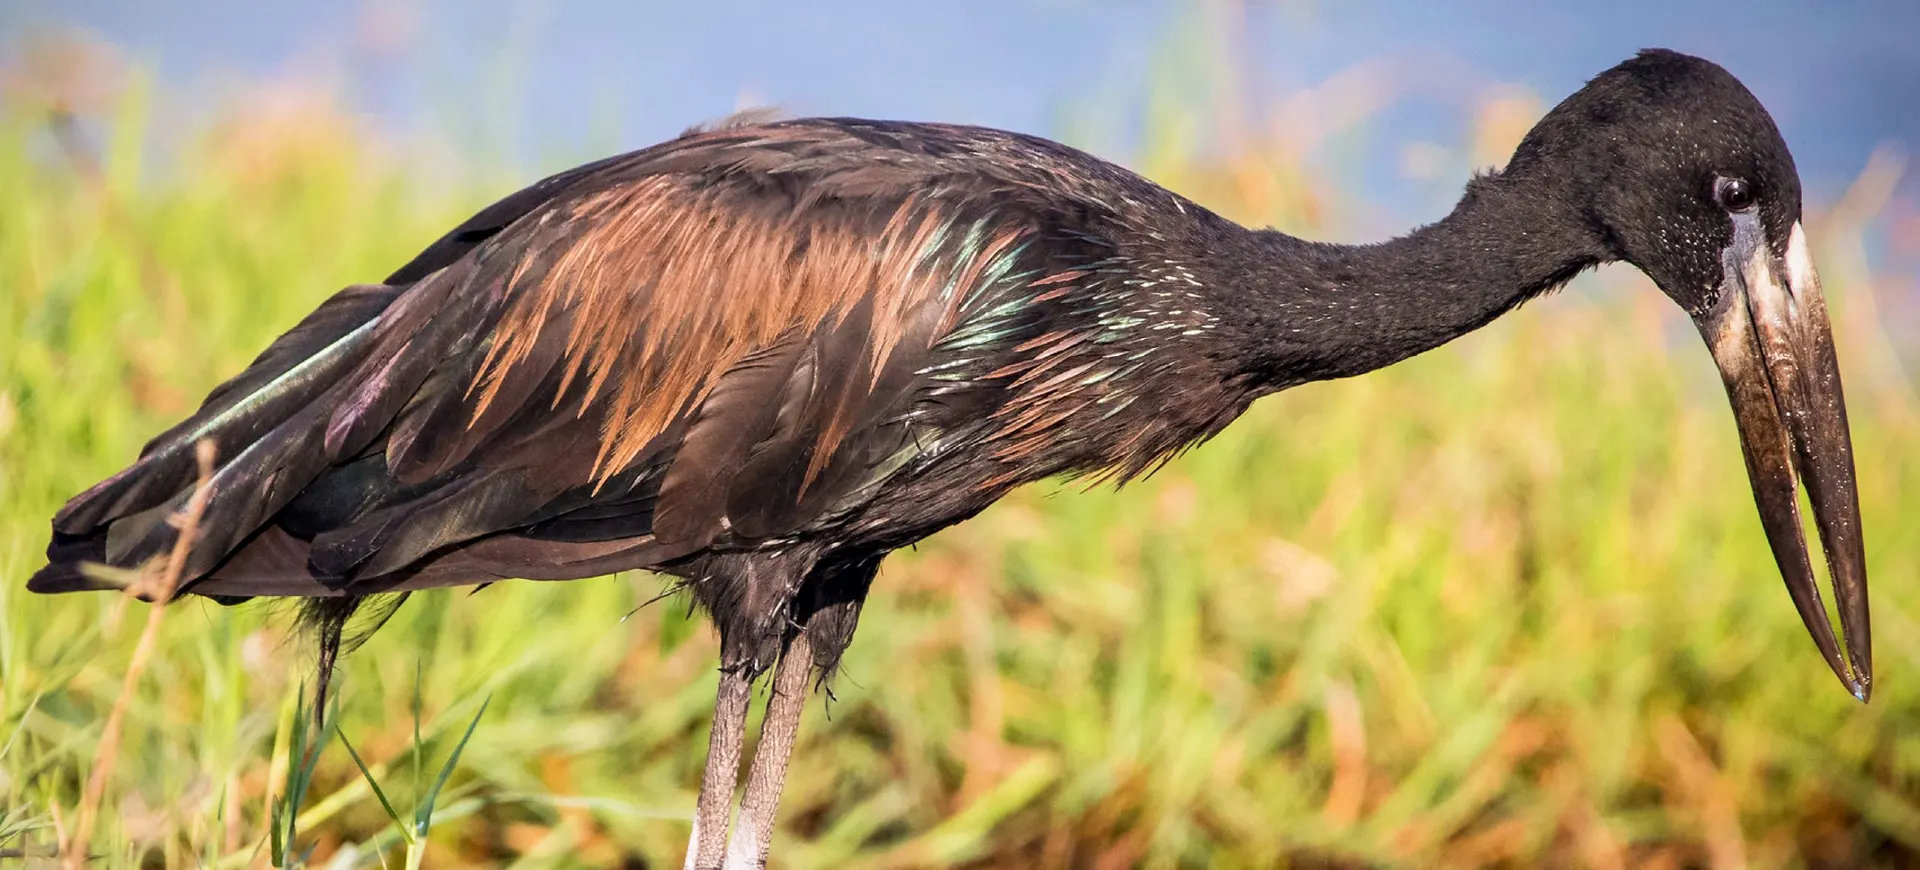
pixel 715 342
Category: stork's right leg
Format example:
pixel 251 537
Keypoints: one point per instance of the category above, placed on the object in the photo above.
pixel 707 847
pixel 754 832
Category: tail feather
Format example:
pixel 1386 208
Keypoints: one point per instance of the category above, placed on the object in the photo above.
pixel 266 425
pixel 65 556
pixel 246 491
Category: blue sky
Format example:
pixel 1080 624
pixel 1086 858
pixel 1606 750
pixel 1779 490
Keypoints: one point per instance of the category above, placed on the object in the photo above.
pixel 569 75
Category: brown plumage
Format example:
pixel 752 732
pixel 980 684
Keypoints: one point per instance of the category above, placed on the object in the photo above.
pixel 711 343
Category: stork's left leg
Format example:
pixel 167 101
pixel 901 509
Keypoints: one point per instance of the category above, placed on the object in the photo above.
pixel 707 845
pixel 752 834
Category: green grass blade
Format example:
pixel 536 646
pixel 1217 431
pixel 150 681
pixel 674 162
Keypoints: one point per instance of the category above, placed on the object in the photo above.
pixel 276 833
pixel 419 747
pixel 425 818
pixel 378 793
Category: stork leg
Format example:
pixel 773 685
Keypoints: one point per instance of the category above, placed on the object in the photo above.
pixel 747 850
pixel 707 846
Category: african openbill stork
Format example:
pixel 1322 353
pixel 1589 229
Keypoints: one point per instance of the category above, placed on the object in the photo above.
pixel 760 357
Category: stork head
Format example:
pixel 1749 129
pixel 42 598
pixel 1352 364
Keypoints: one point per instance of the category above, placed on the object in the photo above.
pixel 1688 178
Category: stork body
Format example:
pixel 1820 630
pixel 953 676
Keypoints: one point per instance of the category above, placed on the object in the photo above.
pixel 760 357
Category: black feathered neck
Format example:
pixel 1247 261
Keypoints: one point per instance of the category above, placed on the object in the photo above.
pixel 1299 311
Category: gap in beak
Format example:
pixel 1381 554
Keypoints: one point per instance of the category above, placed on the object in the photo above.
pixel 1822 570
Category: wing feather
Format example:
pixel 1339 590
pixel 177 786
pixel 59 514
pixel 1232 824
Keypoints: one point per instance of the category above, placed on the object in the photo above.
pixel 711 343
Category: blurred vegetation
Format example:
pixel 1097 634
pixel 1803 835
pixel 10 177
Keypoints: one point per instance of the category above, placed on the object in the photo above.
pixel 1507 604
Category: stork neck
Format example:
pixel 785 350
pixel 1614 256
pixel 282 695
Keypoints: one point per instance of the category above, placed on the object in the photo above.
pixel 1316 311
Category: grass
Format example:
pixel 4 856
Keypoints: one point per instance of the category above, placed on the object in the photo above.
pixel 1506 604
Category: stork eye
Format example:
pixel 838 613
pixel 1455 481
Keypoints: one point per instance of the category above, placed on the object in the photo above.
pixel 1733 194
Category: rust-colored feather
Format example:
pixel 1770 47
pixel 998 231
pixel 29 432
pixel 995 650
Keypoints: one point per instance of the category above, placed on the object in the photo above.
pixel 669 280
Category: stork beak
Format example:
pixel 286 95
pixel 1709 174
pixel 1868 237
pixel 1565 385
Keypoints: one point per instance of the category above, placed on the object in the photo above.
pixel 1769 334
